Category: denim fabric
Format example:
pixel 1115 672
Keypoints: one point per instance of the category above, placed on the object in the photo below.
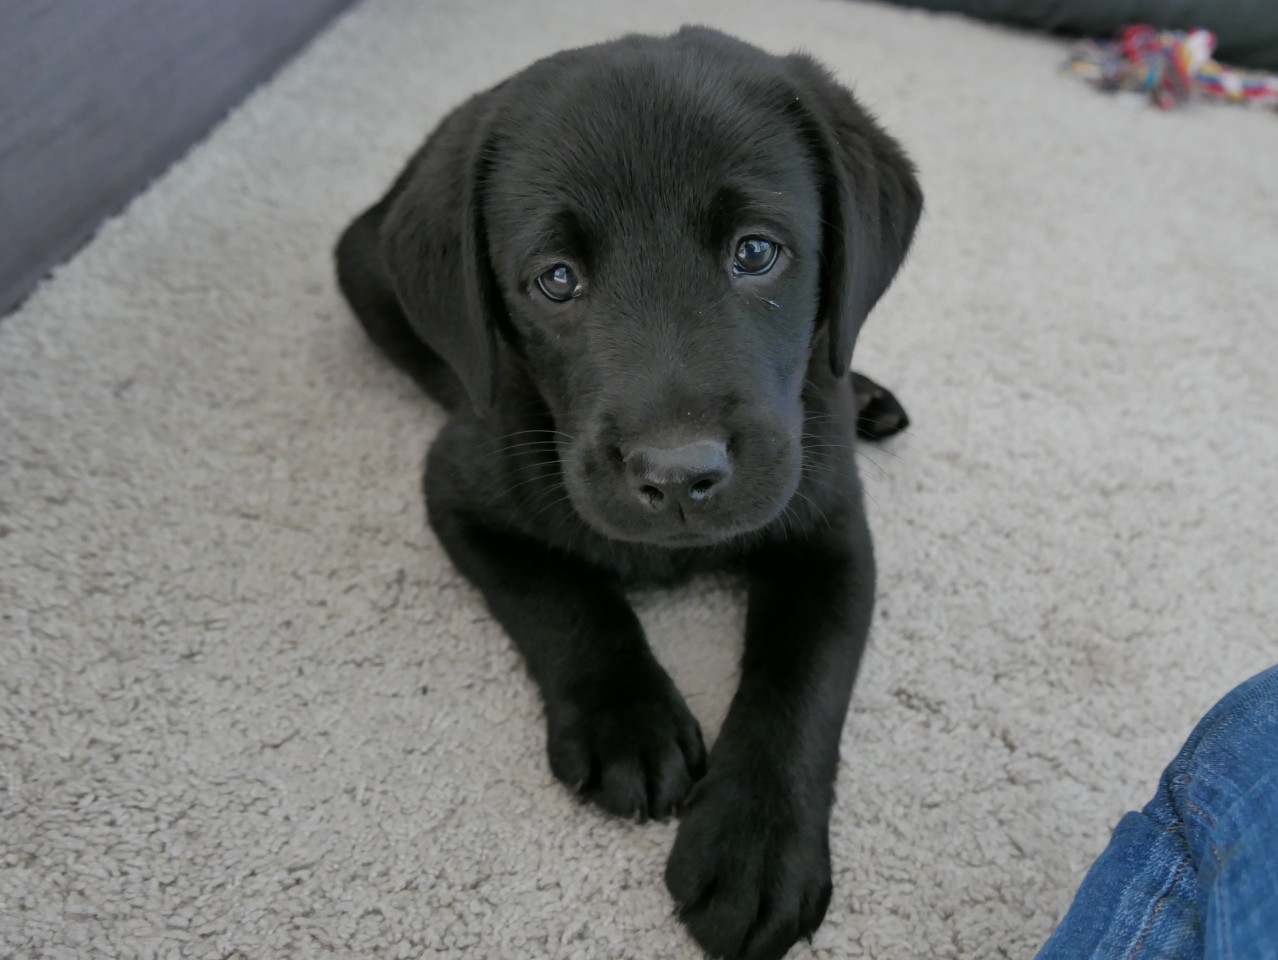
pixel 1195 874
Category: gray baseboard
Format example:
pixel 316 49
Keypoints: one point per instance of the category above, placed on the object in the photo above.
pixel 98 97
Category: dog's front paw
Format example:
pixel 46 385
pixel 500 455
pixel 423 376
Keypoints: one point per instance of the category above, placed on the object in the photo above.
pixel 627 743
pixel 750 869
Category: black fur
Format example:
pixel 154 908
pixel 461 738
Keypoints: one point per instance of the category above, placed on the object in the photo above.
pixel 641 163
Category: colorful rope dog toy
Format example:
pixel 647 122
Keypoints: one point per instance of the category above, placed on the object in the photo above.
pixel 1169 66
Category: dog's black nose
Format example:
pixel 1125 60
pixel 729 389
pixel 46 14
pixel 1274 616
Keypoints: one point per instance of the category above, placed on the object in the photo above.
pixel 689 474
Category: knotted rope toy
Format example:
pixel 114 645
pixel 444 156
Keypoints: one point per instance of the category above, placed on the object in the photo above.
pixel 1169 66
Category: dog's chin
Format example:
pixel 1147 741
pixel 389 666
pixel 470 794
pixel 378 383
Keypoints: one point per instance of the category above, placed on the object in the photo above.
pixel 681 535
pixel 678 539
pixel 682 538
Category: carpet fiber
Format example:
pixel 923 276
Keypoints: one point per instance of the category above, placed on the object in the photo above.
pixel 247 709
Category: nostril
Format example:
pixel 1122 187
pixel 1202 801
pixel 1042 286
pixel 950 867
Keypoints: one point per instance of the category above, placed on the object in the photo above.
pixel 651 495
pixel 702 488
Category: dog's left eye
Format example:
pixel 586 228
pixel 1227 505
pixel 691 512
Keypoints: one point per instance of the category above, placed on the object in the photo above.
pixel 559 283
pixel 755 255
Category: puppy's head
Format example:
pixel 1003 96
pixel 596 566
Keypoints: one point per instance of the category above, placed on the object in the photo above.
pixel 668 236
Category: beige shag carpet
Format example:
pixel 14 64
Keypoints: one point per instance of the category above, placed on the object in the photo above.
pixel 248 711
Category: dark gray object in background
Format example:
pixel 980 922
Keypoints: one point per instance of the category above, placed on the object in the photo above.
pixel 1246 30
pixel 97 97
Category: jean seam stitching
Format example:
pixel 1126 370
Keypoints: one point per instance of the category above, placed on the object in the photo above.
pixel 1190 805
pixel 1225 940
pixel 1153 915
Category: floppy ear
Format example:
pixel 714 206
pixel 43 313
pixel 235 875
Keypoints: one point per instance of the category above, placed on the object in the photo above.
pixel 871 200
pixel 435 249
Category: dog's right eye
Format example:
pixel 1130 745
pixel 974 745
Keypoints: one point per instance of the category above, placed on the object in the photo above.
pixel 755 256
pixel 559 283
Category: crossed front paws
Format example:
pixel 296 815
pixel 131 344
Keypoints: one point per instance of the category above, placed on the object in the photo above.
pixel 750 868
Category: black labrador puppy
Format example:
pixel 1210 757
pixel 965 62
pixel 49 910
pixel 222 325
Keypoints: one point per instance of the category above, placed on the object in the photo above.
pixel 634 274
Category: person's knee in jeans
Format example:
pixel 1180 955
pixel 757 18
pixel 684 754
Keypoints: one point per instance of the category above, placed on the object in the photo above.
pixel 1195 874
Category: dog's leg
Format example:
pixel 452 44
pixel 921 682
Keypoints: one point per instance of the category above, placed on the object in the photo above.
pixel 618 732
pixel 750 868
pixel 879 413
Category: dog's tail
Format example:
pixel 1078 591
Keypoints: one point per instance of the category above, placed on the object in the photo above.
pixel 367 288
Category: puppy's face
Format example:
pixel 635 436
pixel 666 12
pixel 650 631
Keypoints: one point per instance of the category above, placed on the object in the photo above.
pixel 658 232
pixel 656 241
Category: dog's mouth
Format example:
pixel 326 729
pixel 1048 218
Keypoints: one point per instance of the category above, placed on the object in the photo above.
pixel 684 539
pixel 659 534
pixel 691 538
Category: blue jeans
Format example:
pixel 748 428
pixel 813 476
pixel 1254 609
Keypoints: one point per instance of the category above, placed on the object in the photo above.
pixel 1195 874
